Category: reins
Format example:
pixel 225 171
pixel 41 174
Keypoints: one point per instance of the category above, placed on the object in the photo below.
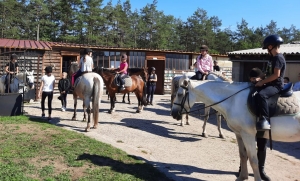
pixel 187 93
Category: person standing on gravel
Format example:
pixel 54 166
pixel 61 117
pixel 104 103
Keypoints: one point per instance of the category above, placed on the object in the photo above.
pixel 46 90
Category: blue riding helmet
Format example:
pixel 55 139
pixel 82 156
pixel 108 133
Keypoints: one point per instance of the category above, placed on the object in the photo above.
pixel 274 40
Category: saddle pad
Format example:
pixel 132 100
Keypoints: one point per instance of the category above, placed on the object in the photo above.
pixel 287 105
pixel 128 82
pixel 77 80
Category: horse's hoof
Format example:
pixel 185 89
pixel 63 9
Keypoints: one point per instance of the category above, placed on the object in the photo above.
pixel 187 123
pixel 221 136
pixel 83 120
pixel 129 102
pixel 94 127
pixel 123 102
pixel 204 135
pixel 138 111
pixel 86 130
pixel 73 119
pixel 181 124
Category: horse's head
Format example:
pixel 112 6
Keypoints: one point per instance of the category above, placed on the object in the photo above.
pixel 182 102
pixel 73 68
pixel 145 74
pixel 29 79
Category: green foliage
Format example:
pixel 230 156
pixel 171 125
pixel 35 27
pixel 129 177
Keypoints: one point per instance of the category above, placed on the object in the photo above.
pixel 92 22
pixel 32 149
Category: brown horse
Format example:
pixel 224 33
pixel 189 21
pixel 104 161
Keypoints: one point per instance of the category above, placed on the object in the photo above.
pixel 143 72
pixel 138 87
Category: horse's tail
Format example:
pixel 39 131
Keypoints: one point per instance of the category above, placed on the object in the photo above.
pixel 144 94
pixel 96 97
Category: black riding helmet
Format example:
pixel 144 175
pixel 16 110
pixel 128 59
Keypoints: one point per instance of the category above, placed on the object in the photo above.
pixel 204 47
pixel 87 51
pixel 48 69
pixel 256 72
pixel 153 68
pixel 274 40
pixel 13 57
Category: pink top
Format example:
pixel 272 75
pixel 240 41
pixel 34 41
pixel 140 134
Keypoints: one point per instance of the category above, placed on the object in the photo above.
pixel 205 63
pixel 122 66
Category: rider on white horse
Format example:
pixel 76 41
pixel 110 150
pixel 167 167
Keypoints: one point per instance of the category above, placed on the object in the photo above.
pixel 273 84
pixel 11 68
pixel 204 64
pixel 86 64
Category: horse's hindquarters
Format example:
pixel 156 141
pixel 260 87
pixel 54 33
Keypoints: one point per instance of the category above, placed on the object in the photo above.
pixel 285 128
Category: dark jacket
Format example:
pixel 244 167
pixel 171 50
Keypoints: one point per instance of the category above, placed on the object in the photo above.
pixel 64 85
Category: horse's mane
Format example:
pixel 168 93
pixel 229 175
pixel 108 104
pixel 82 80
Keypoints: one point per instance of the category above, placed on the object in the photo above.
pixel 135 70
pixel 220 75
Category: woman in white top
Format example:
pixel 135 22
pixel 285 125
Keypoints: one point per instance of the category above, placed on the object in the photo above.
pixel 86 63
pixel 46 90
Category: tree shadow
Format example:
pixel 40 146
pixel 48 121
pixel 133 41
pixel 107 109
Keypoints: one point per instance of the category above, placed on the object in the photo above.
pixel 151 126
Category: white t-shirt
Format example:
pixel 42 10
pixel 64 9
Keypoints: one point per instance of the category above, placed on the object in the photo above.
pixel 48 83
pixel 87 65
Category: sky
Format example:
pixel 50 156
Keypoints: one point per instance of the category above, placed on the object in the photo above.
pixel 257 13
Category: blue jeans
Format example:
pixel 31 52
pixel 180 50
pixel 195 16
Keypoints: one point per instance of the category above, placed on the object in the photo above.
pixel 151 90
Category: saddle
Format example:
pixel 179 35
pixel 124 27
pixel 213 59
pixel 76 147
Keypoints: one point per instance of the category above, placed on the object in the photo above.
pixel 127 81
pixel 283 103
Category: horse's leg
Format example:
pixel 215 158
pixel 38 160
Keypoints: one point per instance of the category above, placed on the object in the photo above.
pixel 75 107
pixel 124 98
pixel 219 119
pixel 249 142
pixel 243 175
pixel 89 118
pixel 206 117
pixel 84 111
pixel 112 103
pixel 187 119
pixel 128 98
pixel 139 96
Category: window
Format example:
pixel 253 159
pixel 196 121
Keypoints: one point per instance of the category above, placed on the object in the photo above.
pixel 137 59
pixel 177 61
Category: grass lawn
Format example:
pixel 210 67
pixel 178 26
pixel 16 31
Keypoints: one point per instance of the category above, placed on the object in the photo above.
pixel 33 149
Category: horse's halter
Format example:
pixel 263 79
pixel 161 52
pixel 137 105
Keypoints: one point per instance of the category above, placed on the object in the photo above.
pixel 186 97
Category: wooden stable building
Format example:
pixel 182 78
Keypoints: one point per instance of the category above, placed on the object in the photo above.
pixel 36 55
pixel 244 60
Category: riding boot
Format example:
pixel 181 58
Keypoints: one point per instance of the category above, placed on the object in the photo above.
pixel 261 155
pixel 263 123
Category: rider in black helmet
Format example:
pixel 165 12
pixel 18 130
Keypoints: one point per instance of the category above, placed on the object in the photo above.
pixel 151 85
pixel 273 83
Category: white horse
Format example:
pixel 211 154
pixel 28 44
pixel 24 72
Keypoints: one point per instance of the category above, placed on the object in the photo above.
pixel 26 78
pixel 240 120
pixel 177 82
pixel 89 87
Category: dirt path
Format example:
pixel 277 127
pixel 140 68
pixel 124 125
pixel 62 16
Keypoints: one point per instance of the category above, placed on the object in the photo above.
pixel 179 152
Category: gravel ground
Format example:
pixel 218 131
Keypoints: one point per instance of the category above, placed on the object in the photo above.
pixel 180 152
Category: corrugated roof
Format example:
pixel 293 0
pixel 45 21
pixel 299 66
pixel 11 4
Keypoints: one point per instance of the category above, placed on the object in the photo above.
pixel 284 48
pixel 25 44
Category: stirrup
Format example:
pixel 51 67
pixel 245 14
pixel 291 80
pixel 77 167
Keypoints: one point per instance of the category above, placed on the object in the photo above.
pixel 263 124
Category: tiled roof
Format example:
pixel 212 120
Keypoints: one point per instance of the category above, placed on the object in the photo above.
pixel 24 44
pixel 284 48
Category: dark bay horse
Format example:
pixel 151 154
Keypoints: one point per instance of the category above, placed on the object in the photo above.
pixel 143 72
pixel 138 87
pixel 89 87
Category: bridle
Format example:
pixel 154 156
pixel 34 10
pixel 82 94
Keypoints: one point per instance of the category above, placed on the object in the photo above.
pixel 186 97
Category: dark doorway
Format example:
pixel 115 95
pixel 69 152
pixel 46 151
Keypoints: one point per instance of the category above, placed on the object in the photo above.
pixel 160 72
pixel 66 62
